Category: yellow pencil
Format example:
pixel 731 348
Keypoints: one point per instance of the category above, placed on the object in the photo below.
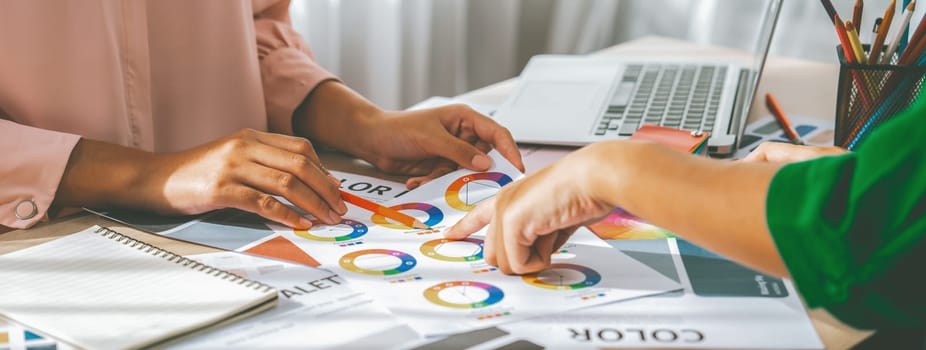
pixel 856 43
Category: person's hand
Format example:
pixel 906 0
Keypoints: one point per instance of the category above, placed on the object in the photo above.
pixel 246 170
pixel 431 142
pixel 779 152
pixel 532 218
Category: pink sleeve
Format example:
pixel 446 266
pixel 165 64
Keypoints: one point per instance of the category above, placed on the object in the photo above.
pixel 33 163
pixel 288 69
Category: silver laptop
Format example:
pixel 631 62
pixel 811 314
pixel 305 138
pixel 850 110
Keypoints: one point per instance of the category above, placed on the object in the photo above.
pixel 576 100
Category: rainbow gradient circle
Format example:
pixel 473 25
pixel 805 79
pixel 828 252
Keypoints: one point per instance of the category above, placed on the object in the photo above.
pixel 590 277
pixel 359 229
pixel 452 195
pixel 435 215
pixel 349 261
pixel 494 294
pixel 429 249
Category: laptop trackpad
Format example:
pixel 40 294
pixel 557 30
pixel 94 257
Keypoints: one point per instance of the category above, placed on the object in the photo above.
pixel 558 96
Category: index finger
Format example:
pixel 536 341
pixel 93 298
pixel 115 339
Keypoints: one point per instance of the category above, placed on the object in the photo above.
pixel 478 218
pixel 489 131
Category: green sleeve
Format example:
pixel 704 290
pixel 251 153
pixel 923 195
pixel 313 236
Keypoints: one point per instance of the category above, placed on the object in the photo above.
pixel 852 228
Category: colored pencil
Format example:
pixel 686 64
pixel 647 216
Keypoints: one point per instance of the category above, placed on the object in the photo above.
pixel 772 104
pixel 906 31
pixel 914 48
pixel 901 33
pixel 830 10
pixel 857 13
pixel 860 84
pixel 856 42
pixel 376 208
pixel 876 48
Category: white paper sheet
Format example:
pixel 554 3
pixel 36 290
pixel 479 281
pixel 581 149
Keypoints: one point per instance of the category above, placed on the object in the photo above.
pixel 317 310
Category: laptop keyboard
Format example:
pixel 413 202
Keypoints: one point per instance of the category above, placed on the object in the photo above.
pixel 678 96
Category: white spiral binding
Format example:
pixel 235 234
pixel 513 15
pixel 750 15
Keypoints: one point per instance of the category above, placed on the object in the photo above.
pixel 179 259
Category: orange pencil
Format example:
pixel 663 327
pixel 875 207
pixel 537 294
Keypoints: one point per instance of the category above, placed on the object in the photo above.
pixel 782 119
pixel 850 58
pixel 376 208
pixel 877 47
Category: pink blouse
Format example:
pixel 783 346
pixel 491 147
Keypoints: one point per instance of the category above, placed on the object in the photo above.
pixel 159 75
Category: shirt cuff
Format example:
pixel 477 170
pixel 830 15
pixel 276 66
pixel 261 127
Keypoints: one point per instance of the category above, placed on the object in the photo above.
pixel 288 76
pixel 34 162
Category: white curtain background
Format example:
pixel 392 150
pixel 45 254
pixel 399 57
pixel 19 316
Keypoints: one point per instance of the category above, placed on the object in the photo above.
pixel 399 52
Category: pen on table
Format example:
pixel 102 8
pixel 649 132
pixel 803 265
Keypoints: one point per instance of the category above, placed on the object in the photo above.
pixel 877 46
pixel 384 211
pixel 856 43
pixel 782 119
pixel 857 13
pixel 901 33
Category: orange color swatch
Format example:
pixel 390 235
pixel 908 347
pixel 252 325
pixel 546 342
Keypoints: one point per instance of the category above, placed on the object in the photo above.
pixel 283 249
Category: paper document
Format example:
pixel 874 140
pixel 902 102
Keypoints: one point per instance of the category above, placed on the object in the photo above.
pixel 722 306
pixel 441 286
pixel 317 310
pixel 14 337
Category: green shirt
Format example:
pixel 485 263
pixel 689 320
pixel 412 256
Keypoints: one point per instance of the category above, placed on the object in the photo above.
pixel 851 228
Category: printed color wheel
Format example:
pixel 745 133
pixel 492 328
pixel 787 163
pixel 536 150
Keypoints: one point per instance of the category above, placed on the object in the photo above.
pixel 435 216
pixel 378 262
pixel 345 231
pixel 469 249
pixel 564 277
pixel 464 294
pixel 467 191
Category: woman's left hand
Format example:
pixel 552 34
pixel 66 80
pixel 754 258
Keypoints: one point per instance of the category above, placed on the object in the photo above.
pixel 431 142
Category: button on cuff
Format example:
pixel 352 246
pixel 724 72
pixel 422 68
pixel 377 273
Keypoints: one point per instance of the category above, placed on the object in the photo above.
pixel 26 209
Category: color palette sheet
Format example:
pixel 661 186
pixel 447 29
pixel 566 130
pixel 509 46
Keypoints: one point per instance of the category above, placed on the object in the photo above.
pixel 441 287
pixel 317 310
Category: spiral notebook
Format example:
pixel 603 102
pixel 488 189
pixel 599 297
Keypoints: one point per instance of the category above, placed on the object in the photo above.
pixel 99 289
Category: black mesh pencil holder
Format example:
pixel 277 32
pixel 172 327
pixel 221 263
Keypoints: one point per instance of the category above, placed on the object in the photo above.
pixel 870 94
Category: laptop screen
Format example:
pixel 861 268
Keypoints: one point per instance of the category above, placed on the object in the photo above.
pixel 760 53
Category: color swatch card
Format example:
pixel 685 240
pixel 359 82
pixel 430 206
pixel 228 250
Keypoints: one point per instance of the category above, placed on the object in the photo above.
pixel 440 286
pixel 680 140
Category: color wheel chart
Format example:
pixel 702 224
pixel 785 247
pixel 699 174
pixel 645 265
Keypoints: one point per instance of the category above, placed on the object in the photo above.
pixel 469 249
pixel 623 225
pixel 467 191
pixel 379 262
pixel 345 231
pixel 435 215
pixel 564 277
pixel 464 294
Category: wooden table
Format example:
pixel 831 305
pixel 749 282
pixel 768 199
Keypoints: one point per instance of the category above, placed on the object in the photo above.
pixel 803 87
